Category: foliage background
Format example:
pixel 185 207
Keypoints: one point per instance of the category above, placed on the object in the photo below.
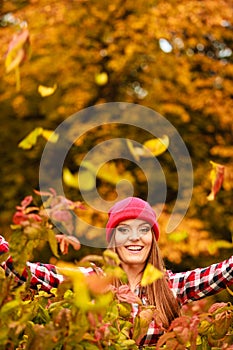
pixel 172 56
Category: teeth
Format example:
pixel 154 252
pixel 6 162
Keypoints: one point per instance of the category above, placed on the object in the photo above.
pixel 134 248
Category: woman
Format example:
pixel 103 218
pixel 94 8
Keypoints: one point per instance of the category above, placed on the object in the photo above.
pixel 132 231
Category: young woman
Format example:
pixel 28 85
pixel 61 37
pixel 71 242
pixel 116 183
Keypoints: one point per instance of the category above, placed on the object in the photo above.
pixel 132 231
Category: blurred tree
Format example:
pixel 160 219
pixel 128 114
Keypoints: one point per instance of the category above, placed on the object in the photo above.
pixel 172 56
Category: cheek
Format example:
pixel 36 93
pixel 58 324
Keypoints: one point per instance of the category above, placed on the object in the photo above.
pixel 120 240
pixel 147 239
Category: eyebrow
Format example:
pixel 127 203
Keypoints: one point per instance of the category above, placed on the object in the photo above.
pixel 143 224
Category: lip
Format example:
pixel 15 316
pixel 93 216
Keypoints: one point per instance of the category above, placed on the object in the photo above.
pixel 135 248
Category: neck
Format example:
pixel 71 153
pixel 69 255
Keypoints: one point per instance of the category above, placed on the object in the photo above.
pixel 134 274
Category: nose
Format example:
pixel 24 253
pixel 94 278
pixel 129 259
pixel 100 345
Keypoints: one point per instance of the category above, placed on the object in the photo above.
pixel 134 235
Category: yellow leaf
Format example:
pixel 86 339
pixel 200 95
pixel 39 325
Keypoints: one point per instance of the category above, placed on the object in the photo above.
pixel 45 91
pixel 229 291
pixel 108 172
pixel 101 78
pixel 69 178
pixel 157 146
pixel 82 297
pixel 31 139
pixel 83 180
pixel 50 135
pixel 150 275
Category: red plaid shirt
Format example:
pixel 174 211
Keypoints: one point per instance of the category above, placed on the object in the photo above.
pixel 187 286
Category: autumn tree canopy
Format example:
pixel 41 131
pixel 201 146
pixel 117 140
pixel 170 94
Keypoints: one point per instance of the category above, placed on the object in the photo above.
pixel 174 57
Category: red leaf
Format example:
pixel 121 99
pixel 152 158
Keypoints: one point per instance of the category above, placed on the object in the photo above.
pixel 216 176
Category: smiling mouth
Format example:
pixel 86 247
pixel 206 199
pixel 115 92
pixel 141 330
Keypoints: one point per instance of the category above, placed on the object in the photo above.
pixel 134 248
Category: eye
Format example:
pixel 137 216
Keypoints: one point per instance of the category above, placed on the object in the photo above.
pixel 144 229
pixel 123 229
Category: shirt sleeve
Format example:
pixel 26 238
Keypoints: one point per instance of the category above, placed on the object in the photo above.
pixel 44 276
pixel 4 248
pixel 201 282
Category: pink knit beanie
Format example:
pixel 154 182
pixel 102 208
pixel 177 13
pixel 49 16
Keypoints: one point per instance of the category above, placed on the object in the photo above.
pixel 131 208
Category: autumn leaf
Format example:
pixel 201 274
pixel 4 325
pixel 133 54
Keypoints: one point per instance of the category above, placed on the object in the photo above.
pixel 108 172
pixel 150 275
pixel 141 324
pixel 153 147
pixel 125 294
pixel 136 152
pixel 216 177
pixel 83 180
pixel 101 78
pixel 17 50
pixel 45 91
pixel 157 146
pixel 31 139
pixel 98 284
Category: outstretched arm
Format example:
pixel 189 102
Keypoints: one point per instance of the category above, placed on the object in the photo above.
pixel 45 275
pixel 201 282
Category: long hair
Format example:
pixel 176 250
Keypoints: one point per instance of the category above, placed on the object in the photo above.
pixel 158 293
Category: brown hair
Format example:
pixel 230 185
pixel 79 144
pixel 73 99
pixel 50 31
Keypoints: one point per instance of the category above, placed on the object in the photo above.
pixel 158 293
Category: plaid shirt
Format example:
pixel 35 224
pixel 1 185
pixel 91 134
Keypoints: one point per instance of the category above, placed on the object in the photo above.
pixel 186 286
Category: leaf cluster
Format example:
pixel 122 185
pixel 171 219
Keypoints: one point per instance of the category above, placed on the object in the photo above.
pixel 86 312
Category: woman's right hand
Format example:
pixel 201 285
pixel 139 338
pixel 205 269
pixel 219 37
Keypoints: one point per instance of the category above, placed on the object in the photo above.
pixel 65 241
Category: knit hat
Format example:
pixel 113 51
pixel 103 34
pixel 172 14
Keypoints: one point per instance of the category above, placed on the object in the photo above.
pixel 131 208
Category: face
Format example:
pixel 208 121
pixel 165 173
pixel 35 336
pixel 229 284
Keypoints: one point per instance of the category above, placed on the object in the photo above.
pixel 133 239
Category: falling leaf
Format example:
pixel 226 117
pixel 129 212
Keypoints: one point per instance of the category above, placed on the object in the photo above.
pixel 50 135
pixel 108 172
pixel 31 139
pixel 101 78
pixel 157 146
pixel 150 148
pixel 45 91
pixel 83 180
pixel 216 177
pixel 17 50
pixel 134 150
pixel 69 178
pixel 150 275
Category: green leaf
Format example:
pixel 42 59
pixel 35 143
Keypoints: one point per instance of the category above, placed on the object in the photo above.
pixel 53 243
pixel 150 275
pixel 11 305
pixel 89 346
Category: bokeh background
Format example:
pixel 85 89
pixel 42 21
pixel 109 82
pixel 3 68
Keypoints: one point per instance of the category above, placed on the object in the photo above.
pixel 175 57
